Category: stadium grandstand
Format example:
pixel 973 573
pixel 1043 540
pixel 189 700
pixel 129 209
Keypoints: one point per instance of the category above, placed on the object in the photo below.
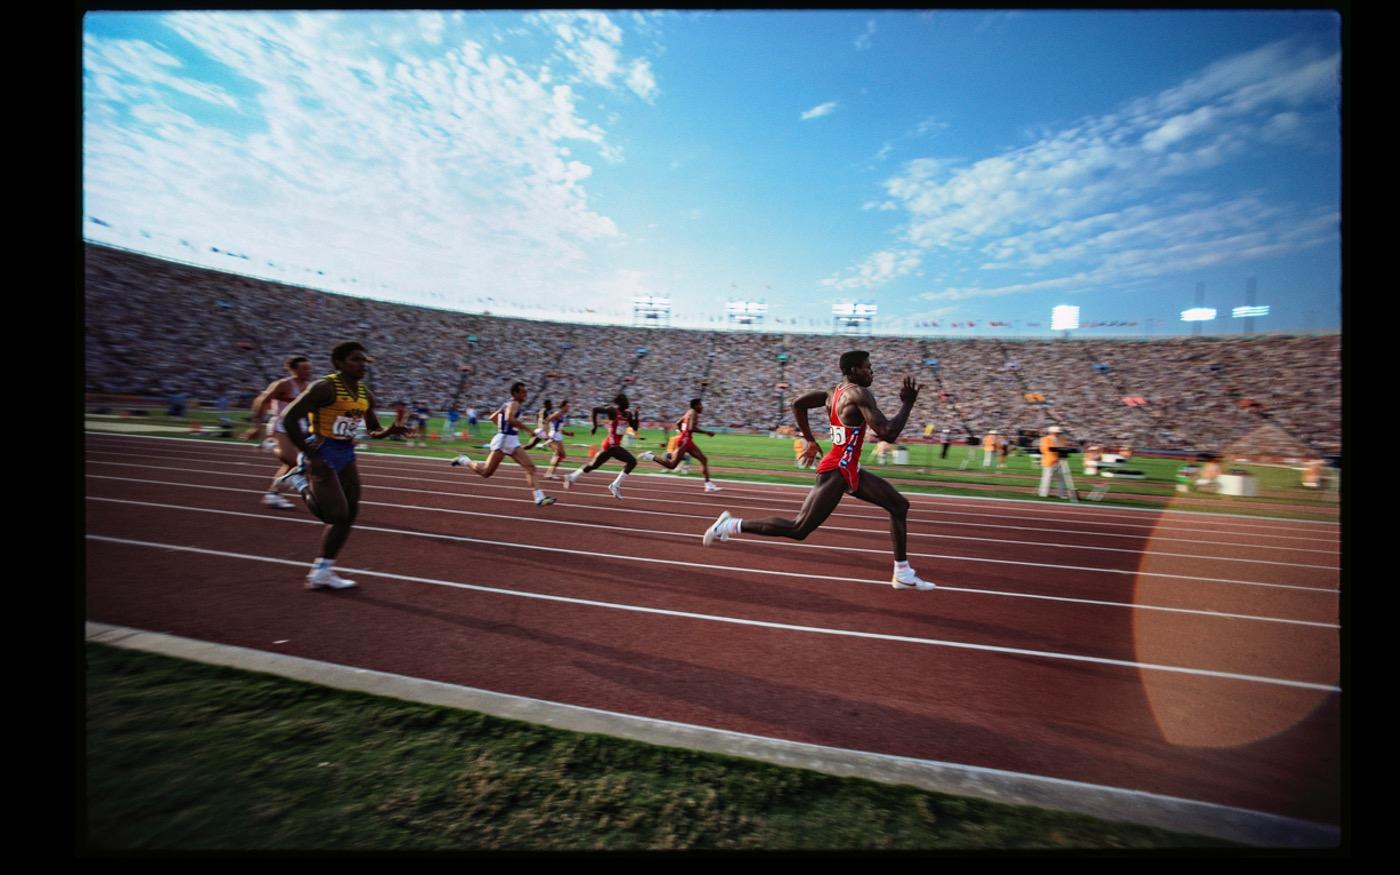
pixel 158 329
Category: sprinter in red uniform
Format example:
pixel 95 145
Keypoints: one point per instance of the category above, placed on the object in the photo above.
pixel 619 420
pixel 687 428
pixel 851 409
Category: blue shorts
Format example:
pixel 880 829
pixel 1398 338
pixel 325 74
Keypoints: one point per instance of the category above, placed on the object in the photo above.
pixel 337 454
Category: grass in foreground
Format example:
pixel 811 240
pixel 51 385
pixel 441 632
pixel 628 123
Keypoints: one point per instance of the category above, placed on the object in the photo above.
pixel 182 755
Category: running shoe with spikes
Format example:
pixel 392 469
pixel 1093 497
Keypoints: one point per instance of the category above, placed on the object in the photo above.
pixel 272 499
pixel 461 460
pixel 710 487
pixel 716 530
pixel 909 580
pixel 325 578
pixel 546 501
pixel 647 456
pixel 615 490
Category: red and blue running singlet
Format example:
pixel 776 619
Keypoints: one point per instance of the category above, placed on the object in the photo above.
pixel 846 441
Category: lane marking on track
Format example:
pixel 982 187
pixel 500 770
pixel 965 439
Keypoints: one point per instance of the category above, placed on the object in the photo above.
pixel 1065 513
pixel 959 501
pixel 765 624
pixel 801 545
pixel 793 545
pixel 709 567
pixel 612 504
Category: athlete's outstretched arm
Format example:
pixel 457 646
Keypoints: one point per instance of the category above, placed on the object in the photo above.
pixel 888 429
pixel 260 405
pixel 372 423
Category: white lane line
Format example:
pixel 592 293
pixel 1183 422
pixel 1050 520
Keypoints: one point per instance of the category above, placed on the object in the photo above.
pixel 953 557
pixel 1212 517
pixel 765 624
pixel 506 487
pixel 690 535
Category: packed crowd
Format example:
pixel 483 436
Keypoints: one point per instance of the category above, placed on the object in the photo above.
pixel 164 329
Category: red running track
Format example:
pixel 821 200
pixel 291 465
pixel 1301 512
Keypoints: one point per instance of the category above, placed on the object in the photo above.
pixel 1179 654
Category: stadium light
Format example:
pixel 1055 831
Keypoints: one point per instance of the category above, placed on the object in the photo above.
pixel 651 310
pixel 745 312
pixel 853 318
pixel 1064 318
pixel 1248 312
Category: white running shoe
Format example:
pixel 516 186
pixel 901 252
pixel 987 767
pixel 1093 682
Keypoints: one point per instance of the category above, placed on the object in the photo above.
pixel 272 499
pixel 909 580
pixel 714 530
pixel 327 579
pixel 648 456
pixel 615 490
pixel 461 460
pixel 569 480
pixel 710 487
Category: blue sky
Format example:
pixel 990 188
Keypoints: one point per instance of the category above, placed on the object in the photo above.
pixel 949 167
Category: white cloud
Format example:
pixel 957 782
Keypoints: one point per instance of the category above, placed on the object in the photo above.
pixel 866 38
pixel 820 110
pixel 461 163
pixel 1029 209
pixel 878 269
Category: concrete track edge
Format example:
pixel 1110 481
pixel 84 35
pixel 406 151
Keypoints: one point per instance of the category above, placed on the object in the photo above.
pixel 1011 788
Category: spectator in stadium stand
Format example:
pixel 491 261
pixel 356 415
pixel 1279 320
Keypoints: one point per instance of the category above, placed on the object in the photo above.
pixel 277 396
pixel 152 316
pixel 1050 458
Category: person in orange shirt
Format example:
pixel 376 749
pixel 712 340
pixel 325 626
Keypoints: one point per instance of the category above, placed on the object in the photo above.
pixel 1050 459
pixel 989 447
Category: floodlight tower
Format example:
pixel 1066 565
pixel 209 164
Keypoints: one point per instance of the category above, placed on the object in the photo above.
pixel 855 319
pixel 1249 310
pixel 749 314
pixel 651 311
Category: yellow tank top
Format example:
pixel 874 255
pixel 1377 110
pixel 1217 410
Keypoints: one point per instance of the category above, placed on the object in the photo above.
pixel 340 419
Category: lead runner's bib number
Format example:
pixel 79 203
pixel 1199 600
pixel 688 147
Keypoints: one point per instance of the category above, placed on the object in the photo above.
pixel 344 426
pixel 838 434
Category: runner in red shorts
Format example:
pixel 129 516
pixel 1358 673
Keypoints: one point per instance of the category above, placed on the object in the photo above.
pixel 688 427
pixel 619 420
pixel 851 409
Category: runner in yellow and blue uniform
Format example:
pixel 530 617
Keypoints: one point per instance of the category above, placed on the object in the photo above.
pixel 327 477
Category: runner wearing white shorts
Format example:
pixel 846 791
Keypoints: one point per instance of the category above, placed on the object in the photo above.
pixel 507 443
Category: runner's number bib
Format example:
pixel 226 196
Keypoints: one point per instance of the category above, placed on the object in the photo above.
pixel 838 434
pixel 344 426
